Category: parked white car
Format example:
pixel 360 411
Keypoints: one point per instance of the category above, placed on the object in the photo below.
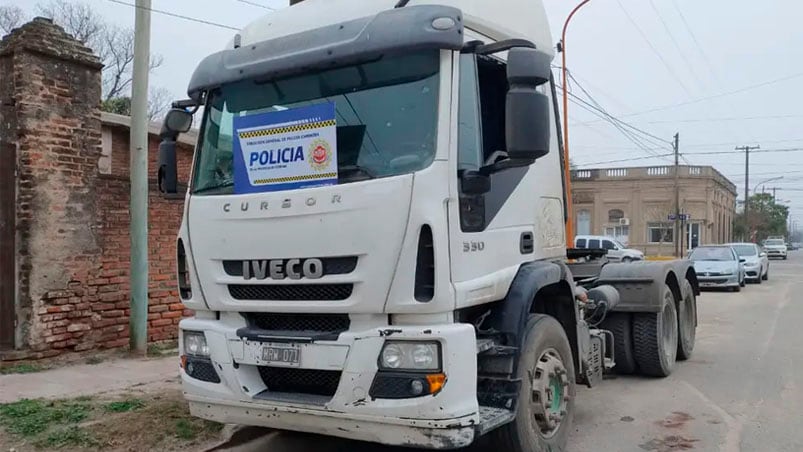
pixel 616 250
pixel 756 262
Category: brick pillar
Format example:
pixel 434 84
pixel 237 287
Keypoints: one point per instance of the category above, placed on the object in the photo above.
pixel 51 89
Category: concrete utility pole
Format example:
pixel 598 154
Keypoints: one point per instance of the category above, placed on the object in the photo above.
pixel 138 321
pixel 747 150
pixel 678 224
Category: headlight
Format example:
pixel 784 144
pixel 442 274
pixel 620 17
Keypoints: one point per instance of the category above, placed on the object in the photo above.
pixel 400 355
pixel 195 344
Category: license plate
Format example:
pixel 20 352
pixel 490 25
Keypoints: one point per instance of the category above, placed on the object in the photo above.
pixel 288 355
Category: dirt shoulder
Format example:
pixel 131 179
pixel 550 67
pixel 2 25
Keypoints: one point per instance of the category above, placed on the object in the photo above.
pixel 146 417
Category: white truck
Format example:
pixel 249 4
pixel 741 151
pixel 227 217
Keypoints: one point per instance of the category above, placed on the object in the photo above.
pixel 373 234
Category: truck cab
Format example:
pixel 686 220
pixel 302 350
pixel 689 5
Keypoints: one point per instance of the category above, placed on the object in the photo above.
pixel 373 235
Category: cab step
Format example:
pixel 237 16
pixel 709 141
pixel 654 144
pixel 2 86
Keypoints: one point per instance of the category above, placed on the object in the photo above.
pixel 492 418
pixel 487 346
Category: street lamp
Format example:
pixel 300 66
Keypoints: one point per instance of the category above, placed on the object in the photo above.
pixel 567 176
pixel 755 189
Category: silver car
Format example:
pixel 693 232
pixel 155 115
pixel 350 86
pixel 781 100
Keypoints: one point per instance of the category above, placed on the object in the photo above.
pixel 756 262
pixel 718 266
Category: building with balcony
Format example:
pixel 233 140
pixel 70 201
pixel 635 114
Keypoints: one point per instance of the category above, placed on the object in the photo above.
pixel 637 206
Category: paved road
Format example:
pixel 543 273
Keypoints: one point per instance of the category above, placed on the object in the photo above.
pixel 741 391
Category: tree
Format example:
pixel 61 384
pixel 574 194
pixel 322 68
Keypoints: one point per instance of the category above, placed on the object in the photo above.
pixel 114 45
pixel 11 17
pixel 158 102
pixel 766 218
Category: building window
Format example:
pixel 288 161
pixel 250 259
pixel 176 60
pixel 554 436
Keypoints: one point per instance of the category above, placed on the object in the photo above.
pixel 614 215
pixel 660 232
pixel 620 233
pixel 584 222
pixel 105 160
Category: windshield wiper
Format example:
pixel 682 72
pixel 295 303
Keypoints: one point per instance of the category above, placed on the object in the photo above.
pixel 214 187
pixel 360 172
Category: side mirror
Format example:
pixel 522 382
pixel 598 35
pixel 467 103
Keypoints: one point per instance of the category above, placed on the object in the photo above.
pixel 474 183
pixel 177 121
pixel 168 167
pixel 762 254
pixel 528 128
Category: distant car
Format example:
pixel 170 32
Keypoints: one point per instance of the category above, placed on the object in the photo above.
pixel 775 248
pixel 756 262
pixel 616 250
pixel 794 246
pixel 718 266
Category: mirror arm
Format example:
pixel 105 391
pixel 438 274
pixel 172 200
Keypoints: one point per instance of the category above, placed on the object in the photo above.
pixel 505 164
pixel 479 48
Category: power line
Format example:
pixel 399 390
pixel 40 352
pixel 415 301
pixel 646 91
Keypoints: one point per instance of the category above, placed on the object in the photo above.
pixel 627 134
pixel 654 50
pixel 177 16
pixel 760 151
pixel 696 42
pixel 659 139
pixel 631 159
pixel 258 5
pixel 675 42
pixel 717 96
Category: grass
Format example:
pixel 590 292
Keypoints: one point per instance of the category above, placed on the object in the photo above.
pixel 123 406
pixel 148 422
pixel 29 418
pixel 21 369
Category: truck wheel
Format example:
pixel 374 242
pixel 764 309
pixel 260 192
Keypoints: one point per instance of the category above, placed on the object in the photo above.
pixel 626 260
pixel 546 402
pixel 655 337
pixel 687 322
pixel 619 324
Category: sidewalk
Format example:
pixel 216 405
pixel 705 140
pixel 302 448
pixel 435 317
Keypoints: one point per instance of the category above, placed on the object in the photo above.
pixel 88 379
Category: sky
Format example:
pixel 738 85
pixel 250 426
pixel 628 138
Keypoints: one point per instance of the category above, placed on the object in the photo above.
pixel 720 73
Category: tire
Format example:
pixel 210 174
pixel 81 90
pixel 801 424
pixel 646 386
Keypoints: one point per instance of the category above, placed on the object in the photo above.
pixel 737 288
pixel 687 322
pixel 766 276
pixel 626 260
pixel 744 282
pixel 544 345
pixel 620 324
pixel 655 337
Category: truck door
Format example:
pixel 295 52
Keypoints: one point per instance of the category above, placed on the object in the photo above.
pixel 521 218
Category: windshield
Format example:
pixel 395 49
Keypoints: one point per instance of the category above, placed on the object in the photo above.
pixel 386 116
pixel 619 244
pixel 712 254
pixel 745 250
pixel 774 243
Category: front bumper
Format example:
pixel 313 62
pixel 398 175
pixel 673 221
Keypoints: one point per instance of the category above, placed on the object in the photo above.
pixel 708 281
pixel 776 253
pixel 445 420
pixel 753 272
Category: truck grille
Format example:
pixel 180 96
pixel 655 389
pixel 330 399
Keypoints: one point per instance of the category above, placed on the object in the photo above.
pixel 331 266
pixel 300 381
pixel 318 323
pixel 291 292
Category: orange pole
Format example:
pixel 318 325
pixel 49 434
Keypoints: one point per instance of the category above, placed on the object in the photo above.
pixel 566 168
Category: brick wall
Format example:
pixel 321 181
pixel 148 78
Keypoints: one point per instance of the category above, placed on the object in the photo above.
pixel 72 241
